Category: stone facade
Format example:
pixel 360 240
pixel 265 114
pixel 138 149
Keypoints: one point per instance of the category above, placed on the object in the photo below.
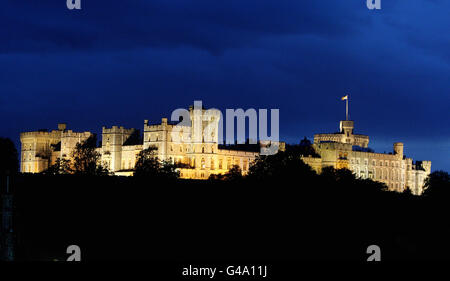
pixel 201 154
pixel 346 150
pixel 198 150
pixel 40 149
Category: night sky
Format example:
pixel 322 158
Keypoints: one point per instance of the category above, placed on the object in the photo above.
pixel 120 62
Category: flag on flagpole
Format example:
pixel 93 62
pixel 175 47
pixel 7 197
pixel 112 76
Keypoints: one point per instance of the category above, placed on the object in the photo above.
pixel 344 97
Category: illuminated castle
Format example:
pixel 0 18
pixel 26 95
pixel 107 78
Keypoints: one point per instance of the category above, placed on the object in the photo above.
pixel 348 150
pixel 197 149
pixel 201 155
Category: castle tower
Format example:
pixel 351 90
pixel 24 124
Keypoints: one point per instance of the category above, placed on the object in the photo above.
pixel 69 140
pixel 204 135
pixel 398 149
pixel 157 136
pixel 62 126
pixel 112 142
pixel 205 125
pixel 163 139
pixel 346 127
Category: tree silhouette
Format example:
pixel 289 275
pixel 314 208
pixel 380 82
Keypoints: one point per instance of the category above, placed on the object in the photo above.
pixel 437 184
pixel 284 164
pixel 86 158
pixel 234 174
pixel 148 165
pixel 9 162
pixel 168 170
pixel 305 148
pixel 216 177
pixel 338 175
pixel 61 167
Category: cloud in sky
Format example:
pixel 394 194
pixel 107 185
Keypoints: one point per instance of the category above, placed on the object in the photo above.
pixel 119 62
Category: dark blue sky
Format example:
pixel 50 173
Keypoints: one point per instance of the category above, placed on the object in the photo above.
pixel 120 62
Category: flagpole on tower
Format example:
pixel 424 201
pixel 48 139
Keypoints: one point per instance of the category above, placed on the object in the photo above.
pixel 346 109
pixel 346 106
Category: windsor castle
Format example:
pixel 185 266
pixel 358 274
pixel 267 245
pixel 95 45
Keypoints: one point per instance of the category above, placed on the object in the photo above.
pixel 202 155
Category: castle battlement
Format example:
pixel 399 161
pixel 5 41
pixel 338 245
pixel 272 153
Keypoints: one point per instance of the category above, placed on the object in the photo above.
pixel 39 134
pixel 117 130
pixel 164 125
pixel 121 147
pixel 72 134
pixel 345 135
pixel 230 152
pixel 350 151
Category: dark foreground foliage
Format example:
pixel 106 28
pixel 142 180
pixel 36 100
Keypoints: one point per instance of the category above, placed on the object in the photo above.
pixel 281 211
pixel 300 216
pixel 9 163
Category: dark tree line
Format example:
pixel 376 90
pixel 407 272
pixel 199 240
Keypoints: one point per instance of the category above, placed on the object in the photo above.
pixel 285 166
pixel 9 163
pixel 282 208
pixel 85 161
pixel 148 165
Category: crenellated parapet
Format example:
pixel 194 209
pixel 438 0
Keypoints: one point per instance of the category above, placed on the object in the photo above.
pixel 194 143
pixel 345 135
pixel 348 150
pixel 40 149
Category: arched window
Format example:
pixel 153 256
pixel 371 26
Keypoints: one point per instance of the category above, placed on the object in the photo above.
pixel 203 163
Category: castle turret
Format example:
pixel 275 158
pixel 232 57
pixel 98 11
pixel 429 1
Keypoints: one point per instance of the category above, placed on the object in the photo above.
pixel 62 126
pixel 346 127
pixel 398 149
pixel 345 135
pixel 112 142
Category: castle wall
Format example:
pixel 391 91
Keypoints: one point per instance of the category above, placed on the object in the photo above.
pixel 36 150
pixel 113 140
pixel 393 169
pixel 197 148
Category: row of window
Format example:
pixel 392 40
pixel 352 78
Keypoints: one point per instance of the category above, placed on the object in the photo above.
pixel 229 163
pixel 173 149
pixel 209 138
pixel 380 174
pixel 380 163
